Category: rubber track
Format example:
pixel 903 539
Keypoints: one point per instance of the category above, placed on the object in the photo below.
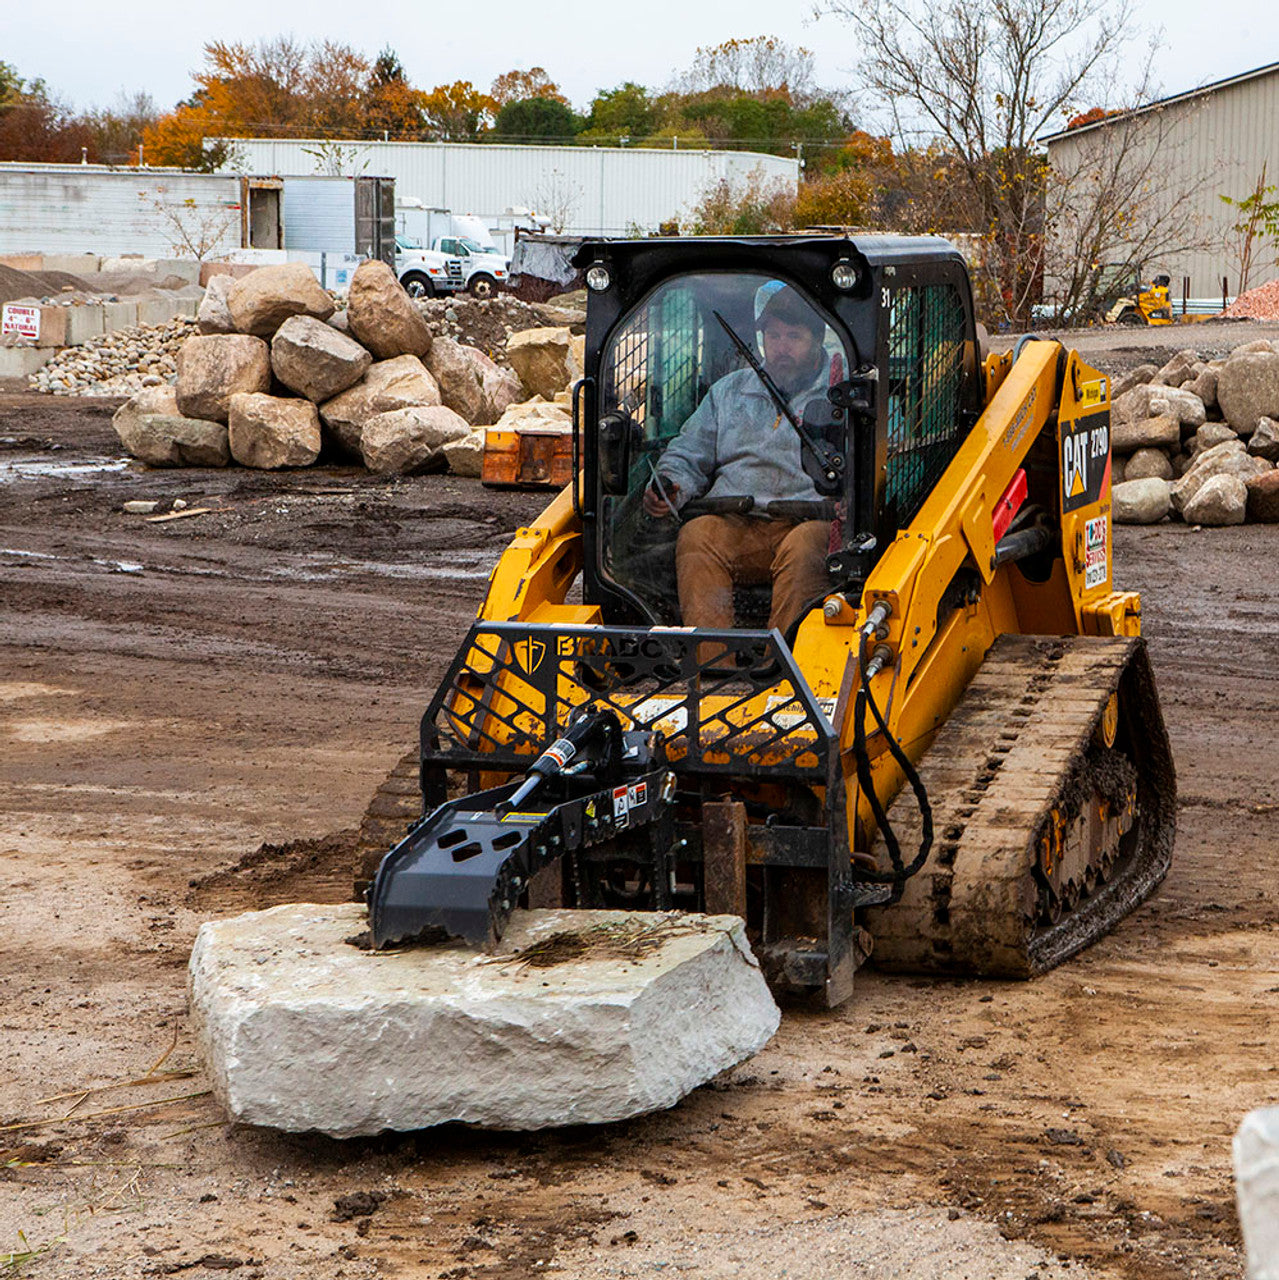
pixel 994 772
pixel 395 806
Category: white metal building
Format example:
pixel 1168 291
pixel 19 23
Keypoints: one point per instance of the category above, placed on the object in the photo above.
pixel 583 190
pixel 89 208
pixel 1212 141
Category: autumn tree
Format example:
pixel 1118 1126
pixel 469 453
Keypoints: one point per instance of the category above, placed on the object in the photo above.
pixel 275 88
pixel 391 104
pixel 625 112
pixel 116 130
pixel 457 112
pixel 36 126
pixel 519 86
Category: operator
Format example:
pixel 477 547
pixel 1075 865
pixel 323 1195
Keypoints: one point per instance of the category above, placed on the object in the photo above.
pixel 736 443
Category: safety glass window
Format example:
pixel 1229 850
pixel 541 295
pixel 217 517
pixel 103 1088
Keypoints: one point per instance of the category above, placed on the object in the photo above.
pixel 699 386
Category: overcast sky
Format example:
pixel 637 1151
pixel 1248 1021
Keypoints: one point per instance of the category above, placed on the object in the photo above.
pixel 89 51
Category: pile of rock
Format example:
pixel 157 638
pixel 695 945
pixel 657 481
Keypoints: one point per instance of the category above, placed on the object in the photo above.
pixel 276 375
pixel 1198 440
pixel 115 364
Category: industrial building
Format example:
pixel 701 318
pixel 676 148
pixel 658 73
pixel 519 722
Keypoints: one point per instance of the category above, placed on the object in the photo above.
pixel 1213 141
pixel 576 190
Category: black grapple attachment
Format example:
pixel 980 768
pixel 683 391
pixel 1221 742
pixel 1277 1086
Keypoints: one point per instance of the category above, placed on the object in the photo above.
pixel 462 868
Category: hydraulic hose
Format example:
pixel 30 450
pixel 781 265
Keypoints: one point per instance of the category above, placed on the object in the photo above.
pixel 901 872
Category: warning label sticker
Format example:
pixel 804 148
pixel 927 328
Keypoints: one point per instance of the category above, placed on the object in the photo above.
pixel 637 794
pixel 621 807
pixel 1096 561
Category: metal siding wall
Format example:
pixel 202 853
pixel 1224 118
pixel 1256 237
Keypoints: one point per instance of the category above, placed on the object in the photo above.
pixel 1217 143
pixel 87 209
pixel 610 189
pixel 319 214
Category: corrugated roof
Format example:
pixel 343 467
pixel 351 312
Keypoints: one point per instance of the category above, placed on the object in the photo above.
pixel 1269 69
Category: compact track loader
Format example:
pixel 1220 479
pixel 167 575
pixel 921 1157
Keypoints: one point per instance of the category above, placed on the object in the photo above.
pixel 955 755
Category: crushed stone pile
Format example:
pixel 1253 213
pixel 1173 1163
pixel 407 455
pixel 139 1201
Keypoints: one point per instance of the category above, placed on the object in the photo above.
pixel 487 324
pixel 1261 303
pixel 116 364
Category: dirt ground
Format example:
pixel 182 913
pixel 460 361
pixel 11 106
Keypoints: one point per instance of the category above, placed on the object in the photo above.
pixel 176 695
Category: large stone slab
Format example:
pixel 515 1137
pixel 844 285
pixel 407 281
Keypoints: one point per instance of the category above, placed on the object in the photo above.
pixel 404 441
pixel 302 1031
pixel 152 429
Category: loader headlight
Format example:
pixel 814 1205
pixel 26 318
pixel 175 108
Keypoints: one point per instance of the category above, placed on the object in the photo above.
pixel 843 275
pixel 598 277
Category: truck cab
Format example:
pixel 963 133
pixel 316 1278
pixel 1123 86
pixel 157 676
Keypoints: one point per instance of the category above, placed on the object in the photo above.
pixel 423 272
pixel 484 269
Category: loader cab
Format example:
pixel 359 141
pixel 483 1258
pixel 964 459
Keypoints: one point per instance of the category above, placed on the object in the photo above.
pixel 890 386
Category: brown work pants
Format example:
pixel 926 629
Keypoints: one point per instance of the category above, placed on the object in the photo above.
pixel 714 552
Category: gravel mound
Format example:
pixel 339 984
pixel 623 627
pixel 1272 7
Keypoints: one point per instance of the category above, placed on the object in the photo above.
pixel 15 284
pixel 116 364
pixel 1261 303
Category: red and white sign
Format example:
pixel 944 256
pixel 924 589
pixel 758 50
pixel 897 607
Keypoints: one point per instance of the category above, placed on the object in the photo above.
pixel 22 320
pixel 1096 562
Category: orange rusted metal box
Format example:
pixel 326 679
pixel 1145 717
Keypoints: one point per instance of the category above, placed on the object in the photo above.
pixel 536 457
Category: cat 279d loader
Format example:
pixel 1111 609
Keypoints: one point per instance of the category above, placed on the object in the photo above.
pixel 588 748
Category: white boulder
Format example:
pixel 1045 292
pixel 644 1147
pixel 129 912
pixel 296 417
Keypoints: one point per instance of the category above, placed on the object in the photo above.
pixel 312 358
pixel 213 314
pixel 1144 464
pixel 1140 501
pixel 1230 458
pixel 301 1031
pixel 389 384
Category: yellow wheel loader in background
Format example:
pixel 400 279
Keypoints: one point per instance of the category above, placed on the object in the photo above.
pixel 956 753
pixel 1122 298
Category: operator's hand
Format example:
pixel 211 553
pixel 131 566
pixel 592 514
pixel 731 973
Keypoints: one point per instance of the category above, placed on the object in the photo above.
pixel 655 504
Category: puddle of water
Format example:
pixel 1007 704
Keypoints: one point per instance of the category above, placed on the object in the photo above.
pixel 39 469
pixel 459 564
pixel 115 566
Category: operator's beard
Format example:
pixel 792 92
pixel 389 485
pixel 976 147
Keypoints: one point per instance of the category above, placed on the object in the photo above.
pixel 790 384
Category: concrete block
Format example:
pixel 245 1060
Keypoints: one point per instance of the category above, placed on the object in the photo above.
pixel 119 315
pixel 78 264
pixel 83 323
pixel 23 261
pixel 153 311
pixel 21 362
pixel 53 327
pixel 301 1031
pixel 187 268
pixel 136 263
pixel 186 306
pixel 233 269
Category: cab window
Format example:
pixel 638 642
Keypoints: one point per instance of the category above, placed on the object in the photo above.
pixel 660 364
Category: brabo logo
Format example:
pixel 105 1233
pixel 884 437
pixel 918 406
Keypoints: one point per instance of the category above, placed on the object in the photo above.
pixel 530 653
